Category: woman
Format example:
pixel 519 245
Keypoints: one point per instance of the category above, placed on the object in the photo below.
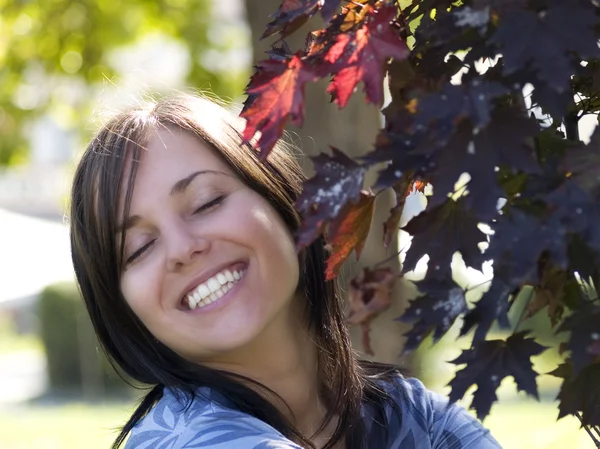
pixel 183 247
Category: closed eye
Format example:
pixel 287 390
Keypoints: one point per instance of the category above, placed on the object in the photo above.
pixel 139 252
pixel 207 206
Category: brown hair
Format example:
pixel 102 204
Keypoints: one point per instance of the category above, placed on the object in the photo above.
pixel 99 190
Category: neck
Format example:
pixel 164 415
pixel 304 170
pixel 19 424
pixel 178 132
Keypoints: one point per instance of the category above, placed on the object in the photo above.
pixel 284 359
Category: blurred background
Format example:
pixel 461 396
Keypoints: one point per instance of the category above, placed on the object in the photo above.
pixel 64 66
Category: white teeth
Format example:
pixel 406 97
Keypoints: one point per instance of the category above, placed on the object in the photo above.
pixel 213 289
pixel 213 284
pixel 203 291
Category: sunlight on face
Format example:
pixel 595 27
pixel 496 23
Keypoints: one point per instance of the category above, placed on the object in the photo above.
pixel 194 226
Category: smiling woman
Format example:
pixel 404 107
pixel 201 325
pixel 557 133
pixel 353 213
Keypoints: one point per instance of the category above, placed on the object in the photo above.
pixel 183 246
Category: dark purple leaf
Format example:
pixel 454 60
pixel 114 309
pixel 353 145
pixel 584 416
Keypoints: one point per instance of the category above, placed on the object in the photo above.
pixel 455 103
pixel 493 306
pixel 337 181
pixel 546 39
pixel 441 231
pixel 517 243
pixel 488 362
pixel 580 393
pixel 442 302
pixel 584 326
pixel 479 153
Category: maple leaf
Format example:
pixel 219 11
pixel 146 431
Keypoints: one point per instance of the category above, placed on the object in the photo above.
pixel 579 393
pixel 584 325
pixel 488 362
pixel 337 181
pixel 583 163
pixel 574 210
pixel 472 100
pixel 370 293
pixel 479 153
pixel 553 286
pixel 492 306
pixel 441 231
pixel 319 42
pixel 449 33
pixel 518 241
pixel 276 93
pixel 349 232
pixel 396 149
pixel 290 16
pixel 360 56
pixel 442 302
pixel 552 102
pixel 552 35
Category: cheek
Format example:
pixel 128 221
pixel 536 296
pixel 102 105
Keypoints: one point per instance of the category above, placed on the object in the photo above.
pixel 137 288
pixel 276 248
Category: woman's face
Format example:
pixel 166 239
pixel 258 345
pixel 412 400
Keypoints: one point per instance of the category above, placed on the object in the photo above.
pixel 210 265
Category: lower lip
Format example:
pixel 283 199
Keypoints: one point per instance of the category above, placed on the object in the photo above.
pixel 223 301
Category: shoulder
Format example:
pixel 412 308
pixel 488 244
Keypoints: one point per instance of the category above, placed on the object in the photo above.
pixel 427 419
pixel 202 423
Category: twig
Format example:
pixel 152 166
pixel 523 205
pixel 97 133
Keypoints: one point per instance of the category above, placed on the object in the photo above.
pixel 587 429
pixel 468 289
pixel 390 258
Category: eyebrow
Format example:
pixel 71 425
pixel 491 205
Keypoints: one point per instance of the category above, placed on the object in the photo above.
pixel 181 185
pixel 178 188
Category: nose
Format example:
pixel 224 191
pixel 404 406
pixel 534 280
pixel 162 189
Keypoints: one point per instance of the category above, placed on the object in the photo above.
pixel 183 246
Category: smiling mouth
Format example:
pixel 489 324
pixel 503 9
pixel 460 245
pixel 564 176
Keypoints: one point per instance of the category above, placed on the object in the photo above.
pixel 214 288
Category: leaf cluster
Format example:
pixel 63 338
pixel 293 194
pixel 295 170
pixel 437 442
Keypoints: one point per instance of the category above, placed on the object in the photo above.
pixel 529 70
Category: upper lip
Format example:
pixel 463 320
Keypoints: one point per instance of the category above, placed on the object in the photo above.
pixel 205 276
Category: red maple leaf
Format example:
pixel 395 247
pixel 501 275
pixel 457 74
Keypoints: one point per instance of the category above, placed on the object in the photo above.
pixel 276 93
pixel 349 232
pixel 360 56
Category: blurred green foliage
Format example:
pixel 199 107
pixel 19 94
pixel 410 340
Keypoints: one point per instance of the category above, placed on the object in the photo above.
pixel 47 45
pixel 74 360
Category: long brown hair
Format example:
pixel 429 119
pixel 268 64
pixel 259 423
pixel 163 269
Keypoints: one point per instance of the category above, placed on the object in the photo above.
pixel 102 190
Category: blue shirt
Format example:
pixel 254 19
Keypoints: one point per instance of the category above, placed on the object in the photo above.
pixel 426 421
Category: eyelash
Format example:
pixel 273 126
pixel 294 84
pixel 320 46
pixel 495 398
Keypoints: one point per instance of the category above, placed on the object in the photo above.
pixel 218 200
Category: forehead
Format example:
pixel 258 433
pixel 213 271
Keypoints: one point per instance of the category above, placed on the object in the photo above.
pixel 175 149
pixel 169 155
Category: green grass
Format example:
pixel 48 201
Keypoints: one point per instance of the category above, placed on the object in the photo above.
pixel 61 427
pixel 516 425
